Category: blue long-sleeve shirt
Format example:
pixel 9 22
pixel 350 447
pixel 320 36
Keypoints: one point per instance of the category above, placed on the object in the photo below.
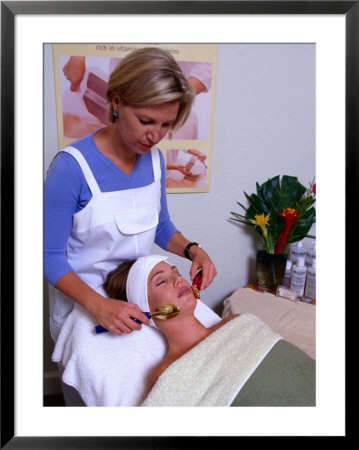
pixel 66 192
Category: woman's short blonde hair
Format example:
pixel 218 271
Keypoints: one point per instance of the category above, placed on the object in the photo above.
pixel 150 76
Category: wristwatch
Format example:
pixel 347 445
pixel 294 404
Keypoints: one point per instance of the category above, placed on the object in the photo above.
pixel 188 246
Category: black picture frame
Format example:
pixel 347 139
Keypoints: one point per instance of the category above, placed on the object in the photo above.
pixel 9 10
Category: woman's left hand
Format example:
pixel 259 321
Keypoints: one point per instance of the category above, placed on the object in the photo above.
pixel 201 260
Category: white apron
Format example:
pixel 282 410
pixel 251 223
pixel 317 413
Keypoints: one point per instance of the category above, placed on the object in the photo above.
pixel 112 228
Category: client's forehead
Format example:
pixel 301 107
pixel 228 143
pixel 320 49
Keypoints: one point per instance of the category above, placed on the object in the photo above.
pixel 161 267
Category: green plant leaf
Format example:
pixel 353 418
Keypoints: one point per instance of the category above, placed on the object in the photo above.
pixel 268 192
pixel 256 207
pixel 291 191
pixel 242 206
pixel 271 198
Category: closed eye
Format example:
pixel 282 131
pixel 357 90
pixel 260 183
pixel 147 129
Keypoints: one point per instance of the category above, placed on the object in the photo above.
pixel 145 122
pixel 151 122
pixel 159 278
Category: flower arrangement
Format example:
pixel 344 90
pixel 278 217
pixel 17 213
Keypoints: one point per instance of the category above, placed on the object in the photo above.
pixel 281 211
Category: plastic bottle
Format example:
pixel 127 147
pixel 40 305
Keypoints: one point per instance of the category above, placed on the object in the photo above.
pixel 311 256
pixel 297 251
pixel 287 274
pixel 309 292
pixel 299 272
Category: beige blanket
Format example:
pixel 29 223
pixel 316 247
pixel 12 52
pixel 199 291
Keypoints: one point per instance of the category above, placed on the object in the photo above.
pixel 213 372
pixel 294 321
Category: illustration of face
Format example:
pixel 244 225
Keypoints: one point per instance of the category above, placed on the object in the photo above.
pixel 165 285
pixel 139 129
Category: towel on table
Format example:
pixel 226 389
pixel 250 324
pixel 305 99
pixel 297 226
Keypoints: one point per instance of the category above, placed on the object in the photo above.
pixel 214 371
pixel 111 370
pixel 294 321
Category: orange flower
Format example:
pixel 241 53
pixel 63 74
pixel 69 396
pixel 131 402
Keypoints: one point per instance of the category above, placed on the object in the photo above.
pixel 290 216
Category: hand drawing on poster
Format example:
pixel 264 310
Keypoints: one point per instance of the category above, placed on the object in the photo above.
pixel 82 72
pixel 83 94
pixel 186 168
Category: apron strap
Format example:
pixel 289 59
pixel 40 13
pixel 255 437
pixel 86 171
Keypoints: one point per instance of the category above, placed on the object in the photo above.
pixel 91 181
pixel 156 164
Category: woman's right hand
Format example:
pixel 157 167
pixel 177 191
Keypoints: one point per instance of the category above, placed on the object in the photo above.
pixel 114 315
pixel 74 70
pixel 117 316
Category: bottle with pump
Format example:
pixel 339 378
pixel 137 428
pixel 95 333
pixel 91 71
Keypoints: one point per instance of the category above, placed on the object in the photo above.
pixel 297 251
pixel 299 273
pixel 287 274
pixel 311 256
pixel 309 292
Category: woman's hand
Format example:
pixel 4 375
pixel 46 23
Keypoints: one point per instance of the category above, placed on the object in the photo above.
pixel 117 316
pixel 180 168
pixel 200 259
pixel 74 70
pixel 114 315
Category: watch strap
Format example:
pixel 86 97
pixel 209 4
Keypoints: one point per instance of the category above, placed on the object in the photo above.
pixel 188 246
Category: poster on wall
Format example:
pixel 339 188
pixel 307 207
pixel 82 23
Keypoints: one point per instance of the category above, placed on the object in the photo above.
pixel 81 73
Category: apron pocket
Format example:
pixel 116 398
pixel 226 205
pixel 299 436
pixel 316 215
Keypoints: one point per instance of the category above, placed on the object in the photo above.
pixel 134 222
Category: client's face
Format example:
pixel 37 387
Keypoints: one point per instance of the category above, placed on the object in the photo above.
pixel 166 286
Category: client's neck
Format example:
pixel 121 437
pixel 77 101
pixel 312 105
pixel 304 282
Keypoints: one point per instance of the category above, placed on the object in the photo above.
pixel 183 334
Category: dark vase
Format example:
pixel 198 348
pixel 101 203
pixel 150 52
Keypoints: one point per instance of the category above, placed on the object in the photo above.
pixel 270 270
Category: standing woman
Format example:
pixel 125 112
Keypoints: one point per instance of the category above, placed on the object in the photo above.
pixel 105 199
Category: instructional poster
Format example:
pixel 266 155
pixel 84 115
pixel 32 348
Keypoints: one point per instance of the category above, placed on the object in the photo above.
pixel 81 74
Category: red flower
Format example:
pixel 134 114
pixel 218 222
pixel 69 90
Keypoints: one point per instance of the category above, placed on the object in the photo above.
pixel 314 189
pixel 290 216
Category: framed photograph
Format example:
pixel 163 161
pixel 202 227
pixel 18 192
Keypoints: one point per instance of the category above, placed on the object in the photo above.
pixel 26 27
pixel 82 107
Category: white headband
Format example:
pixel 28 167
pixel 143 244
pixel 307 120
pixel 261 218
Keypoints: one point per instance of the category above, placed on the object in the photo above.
pixel 136 285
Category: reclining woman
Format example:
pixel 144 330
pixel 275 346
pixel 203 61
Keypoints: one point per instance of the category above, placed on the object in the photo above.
pixel 237 362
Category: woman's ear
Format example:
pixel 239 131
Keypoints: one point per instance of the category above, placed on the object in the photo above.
pixel 115 101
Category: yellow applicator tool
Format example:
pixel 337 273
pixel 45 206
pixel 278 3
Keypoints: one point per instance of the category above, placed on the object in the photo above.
pixel 196 284
pixel 163 312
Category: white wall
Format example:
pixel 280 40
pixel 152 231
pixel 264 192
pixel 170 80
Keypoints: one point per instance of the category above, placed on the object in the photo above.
pixel 264 126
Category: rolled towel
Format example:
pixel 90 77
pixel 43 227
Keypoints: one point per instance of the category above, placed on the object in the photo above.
pixel 136 286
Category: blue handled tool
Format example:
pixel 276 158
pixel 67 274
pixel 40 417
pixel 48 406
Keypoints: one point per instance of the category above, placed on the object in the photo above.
pixel 164 312
pixel 100 329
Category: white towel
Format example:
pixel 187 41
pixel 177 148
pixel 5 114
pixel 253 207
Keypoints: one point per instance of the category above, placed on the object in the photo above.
pixel 295 321
pixel 214 371
pixel 111 370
